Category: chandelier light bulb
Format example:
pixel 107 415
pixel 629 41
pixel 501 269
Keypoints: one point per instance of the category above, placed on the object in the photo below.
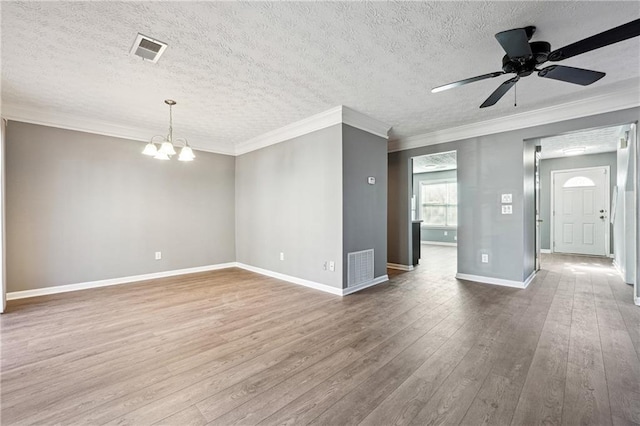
pixel 150 149
pixel 161 156
pixel 186 154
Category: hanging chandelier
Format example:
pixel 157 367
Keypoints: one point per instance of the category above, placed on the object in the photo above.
pixel 167 147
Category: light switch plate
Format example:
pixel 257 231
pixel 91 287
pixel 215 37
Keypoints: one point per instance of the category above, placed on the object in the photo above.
pixel 507 198
pixel 507 209
pixel 371 180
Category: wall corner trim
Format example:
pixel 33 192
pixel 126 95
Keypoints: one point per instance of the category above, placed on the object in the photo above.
pixel 333 116
pixel 497 281
pixel 400 267
pixel 609 102
pixel 114 281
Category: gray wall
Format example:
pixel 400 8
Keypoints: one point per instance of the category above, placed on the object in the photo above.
pixel 427 233
pixel 364 205
pixel 289 199
pixel 83 207
pixel 577 162
pixel 487 166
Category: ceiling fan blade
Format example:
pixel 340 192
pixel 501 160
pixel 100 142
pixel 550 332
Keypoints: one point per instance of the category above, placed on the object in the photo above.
pixel 571 75
pixel 466 81
pixel 614 35
pixel 500 92
pixel 515 43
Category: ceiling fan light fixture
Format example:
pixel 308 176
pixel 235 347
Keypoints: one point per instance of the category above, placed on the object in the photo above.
pixel 523 57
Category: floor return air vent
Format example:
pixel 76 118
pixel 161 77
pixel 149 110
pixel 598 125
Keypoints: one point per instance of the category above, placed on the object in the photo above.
pixel 359 267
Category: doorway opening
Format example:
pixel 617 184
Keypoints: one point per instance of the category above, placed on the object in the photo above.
pixel 587 195
pixel 434 210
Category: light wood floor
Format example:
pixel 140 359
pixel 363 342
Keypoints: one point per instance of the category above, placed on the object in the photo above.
pixel 232 347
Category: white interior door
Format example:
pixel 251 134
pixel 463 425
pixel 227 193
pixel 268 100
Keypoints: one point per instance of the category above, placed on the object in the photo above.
pixel 581 211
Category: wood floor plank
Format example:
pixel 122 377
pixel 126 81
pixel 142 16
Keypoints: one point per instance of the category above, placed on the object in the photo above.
pixel 542 396
pixel 586 397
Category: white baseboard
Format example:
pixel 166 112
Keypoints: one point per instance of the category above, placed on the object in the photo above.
pixel 291 279
pixel 439 243
pixel 497 281
pixel 545 251
pixel 313 284
pixel 400 267
pixel 610 256
pixel 155 275
pixel 375 281
pixel 529 279
pixel 114 281
pixel 637 301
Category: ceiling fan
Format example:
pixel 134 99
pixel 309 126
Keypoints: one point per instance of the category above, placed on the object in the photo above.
pixel 523 58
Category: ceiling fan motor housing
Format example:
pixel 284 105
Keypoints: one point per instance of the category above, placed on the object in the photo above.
pixel 526 65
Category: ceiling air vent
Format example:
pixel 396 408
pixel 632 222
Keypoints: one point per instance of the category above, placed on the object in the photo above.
pixel 148 48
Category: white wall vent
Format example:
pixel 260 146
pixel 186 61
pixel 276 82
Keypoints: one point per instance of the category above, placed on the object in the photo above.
pixel 359 267
pixel 148 48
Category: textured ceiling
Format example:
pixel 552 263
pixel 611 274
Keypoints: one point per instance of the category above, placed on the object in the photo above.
pixel 594 141
pixel 435 162
pixel 239 70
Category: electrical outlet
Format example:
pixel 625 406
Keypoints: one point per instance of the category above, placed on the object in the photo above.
pixel 507 209
pixel 281 256
pixel 507 198
pixel 446 233
pixel 324 266
pixel 332 265
pixel 485 258
pixel 158 255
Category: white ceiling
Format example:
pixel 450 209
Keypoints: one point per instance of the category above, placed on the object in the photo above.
pixel 239 70
pixel 435 162
pixel 594 141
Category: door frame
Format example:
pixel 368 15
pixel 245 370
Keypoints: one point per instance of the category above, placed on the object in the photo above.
pixel 607 196
pixel 537 178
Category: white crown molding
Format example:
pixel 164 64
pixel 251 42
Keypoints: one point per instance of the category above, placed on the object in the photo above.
pixel 331 117
pixel 310 124
pixel 613 101
pixel 337 115
pixel 114 281
pixel 497 281
pixel 52 118
pixel 364 122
